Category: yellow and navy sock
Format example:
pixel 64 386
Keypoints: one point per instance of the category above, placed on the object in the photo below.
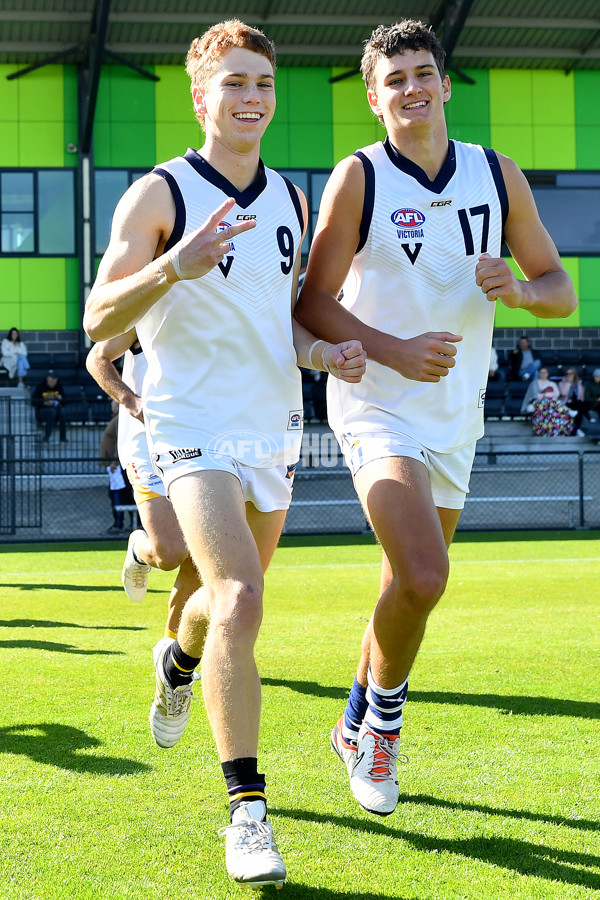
pixel 244 784
pixel 178 666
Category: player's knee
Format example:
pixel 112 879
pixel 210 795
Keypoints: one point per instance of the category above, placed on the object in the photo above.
pixel 422 586
pixel 169 556
pixel 239 614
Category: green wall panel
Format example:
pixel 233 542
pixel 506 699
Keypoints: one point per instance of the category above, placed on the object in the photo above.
pixel 10 317
pixel 590 313
pixel 587 139
pixel 44 316
pixel 275 146
pixel 9 144
pixel 515 141
pixel 71 135
pixel 282 110
pixel 41 95
pixel 310 96
pixel 471 134
pixel 510 97
pixel 173 101
pixel 41 144
pixel 43 279
pixel 9 95
pixel 311 146
pixel 553 147
pixel 553 98
pixel 469 104
pixel 589 276
pixel 133 144
pixel 587 92
pixel 175 138
pixel 354 125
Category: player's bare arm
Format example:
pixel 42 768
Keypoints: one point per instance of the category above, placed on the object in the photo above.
pixel 100 363
pixel 346 360
pixel 548 291
pixel 426 357
pixel 134 273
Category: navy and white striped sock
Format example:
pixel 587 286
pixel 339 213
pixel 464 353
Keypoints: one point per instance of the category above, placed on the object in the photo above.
pixel 384 713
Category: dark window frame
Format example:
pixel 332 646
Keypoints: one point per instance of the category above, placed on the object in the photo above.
pixel 36 253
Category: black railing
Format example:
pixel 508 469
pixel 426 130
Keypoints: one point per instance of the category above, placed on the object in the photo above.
pixel 59 491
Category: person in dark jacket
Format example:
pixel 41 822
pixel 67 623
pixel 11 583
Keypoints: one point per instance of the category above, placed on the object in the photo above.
pixel 524 363
pixel 47 400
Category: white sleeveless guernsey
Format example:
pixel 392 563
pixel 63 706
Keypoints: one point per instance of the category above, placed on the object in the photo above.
pixel 131 432
pixel 222 372
pixel 414 272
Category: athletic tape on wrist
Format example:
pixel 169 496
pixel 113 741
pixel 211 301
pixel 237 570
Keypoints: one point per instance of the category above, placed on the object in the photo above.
pixel 174 258
pixel 312 347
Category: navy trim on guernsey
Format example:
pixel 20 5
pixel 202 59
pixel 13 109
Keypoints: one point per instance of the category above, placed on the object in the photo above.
pixel 136 348
pixel 242 198
pixel 442 179
pixel 492 158
pixel 179 225
pixel 368 202
pixel 295 200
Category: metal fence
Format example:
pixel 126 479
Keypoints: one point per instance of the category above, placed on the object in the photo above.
pixel 59 491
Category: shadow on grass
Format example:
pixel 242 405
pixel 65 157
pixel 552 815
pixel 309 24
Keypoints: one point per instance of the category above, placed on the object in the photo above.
pixel 56 648
pixel 57 745
pixel 426 800
pixel 72 587
pixel 509 705
pixel 537 860
pixel 308 687
pixel 43 623
pixel 520 706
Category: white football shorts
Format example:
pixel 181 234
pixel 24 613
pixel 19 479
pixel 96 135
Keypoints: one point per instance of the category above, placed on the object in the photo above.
pixel 267 488
pixel 449 473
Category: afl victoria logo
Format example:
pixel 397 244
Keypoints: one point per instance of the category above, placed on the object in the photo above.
pixel 407 218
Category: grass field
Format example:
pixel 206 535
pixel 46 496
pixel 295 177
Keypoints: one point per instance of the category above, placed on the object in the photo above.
pixel 500 798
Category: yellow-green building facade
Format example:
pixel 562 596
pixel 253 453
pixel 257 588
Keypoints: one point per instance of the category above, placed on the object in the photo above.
pixel 545 120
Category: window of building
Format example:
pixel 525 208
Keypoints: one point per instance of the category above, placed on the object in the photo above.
pixel 569 207
pixel 109 187
pixel 37 212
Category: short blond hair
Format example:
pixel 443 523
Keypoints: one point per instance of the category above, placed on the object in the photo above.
pixel 206 52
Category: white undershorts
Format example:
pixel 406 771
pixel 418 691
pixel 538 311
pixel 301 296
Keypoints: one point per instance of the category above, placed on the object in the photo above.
pixel 267 488
pixel 449 473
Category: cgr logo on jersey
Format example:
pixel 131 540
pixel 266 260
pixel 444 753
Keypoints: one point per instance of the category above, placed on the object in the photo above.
pixel 221 227
pixel 409 223
pixel 191 453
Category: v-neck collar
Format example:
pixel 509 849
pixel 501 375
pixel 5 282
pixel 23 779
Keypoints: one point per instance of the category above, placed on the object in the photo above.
pixel 442 179
pixel 242 198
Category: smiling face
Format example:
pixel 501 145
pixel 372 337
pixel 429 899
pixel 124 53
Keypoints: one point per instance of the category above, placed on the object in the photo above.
pixel 238 102
pixel 408 91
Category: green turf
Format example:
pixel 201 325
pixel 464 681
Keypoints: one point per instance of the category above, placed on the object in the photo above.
pixel 500 798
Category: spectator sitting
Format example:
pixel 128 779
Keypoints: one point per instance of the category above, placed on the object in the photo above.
pixel 571 392
pixel 539 389
pixel 495 373
pixel 14 355
pixel 524 363
pixel 591 396
pixel 48 402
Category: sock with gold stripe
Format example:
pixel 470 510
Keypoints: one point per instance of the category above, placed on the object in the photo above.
pixel 244 784
pixel 170 634
pixel 178 666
